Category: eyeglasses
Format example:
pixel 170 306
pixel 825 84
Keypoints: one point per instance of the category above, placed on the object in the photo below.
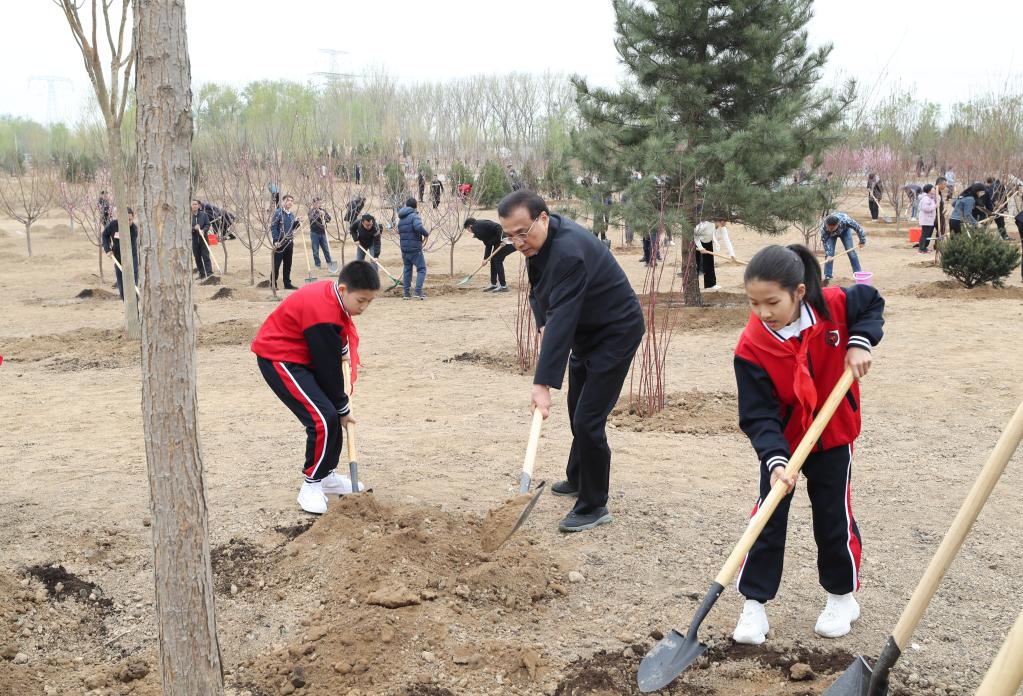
pixel 521 235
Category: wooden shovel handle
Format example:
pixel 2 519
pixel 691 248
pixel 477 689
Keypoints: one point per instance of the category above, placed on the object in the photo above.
pixel 533 444
pixel 1005 675
pixel 780 490
pixel 486 260
pixel 961 525
pixel 723 256
pixel 346 370
pixel 842 253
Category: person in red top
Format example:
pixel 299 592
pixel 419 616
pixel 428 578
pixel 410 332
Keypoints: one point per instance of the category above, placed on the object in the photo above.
pixel 300 348
pixel 799 340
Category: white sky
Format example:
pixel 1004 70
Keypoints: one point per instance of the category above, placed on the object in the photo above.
pixel 923 44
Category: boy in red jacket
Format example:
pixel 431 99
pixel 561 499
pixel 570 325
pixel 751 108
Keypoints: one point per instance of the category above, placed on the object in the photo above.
pixel 300 347
pixel 799 340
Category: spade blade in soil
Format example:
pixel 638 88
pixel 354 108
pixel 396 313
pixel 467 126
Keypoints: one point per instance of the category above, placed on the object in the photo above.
pixel 675 653
pixel 855 681
pixel 529 508
pixel 465 280
pixel 394 283
pixel 668 659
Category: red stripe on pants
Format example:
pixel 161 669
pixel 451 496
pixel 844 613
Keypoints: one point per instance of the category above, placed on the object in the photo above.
pixel 321 427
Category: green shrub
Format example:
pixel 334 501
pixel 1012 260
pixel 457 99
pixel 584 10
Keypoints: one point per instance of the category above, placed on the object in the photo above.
pixel 976 256
pixel 494 184
pixel 394 179
pixel 426 169
pixel 460 174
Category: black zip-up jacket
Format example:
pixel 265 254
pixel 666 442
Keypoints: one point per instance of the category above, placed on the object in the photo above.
pixel 200 218
pixel 318 219
pixel 582 299
pixel 362 236
pixel 111 243
pixel 488 232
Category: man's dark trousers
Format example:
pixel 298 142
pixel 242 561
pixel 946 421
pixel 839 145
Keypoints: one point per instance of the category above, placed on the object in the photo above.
pixel 284 256
pixel 592 394
pixel 202 255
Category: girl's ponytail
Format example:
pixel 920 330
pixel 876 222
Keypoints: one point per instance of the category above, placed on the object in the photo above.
pixel 812 279
pixel 789 266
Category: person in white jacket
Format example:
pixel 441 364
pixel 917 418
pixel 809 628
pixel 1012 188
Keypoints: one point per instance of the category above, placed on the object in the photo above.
pixel 927 205
pixel 704 236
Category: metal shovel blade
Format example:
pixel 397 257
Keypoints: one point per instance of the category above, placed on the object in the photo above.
pixel 529 507
pixel 465 280
pixel 394 283
pixel 668 659
pixel 855 681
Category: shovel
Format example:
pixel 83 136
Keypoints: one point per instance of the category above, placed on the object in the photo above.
pixel 369 256
pixel 353 464
pixel 859 679
pixel 1005 675
pixel 841 253
pixel 722 256
pixel 118 264
pixel 466 279
pixel 495 537
pixel 309 278
pixel 672 655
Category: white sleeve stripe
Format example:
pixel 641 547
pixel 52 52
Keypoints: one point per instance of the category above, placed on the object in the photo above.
pixel 859 342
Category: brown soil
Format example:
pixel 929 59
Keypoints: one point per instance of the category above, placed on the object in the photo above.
pixel 222 294
pixel 96 294
pixel 441 288
pixel 499 522
pixel 952 290
pixel 696 412
pixel 504 361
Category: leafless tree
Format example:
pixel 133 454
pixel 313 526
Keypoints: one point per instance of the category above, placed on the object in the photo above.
pixel 190 661
pixel 112 97
pixel 27 195
pixel 80 202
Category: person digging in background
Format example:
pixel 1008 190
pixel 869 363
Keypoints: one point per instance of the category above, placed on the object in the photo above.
pixel 704 236
pixel 299 351
pixel 874 191
pixel 411 235
pixel 200 251
pixel 962 209
pixel 282 233
pixel 111 239
pixel 840 226
pixel 318 219
pixel 927 206
pixel 492 235
pixel 799 340
pixel 366 233
pixel 436 188
pixel 589 317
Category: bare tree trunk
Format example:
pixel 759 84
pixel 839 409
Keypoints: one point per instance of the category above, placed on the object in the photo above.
pixel 100 250
pixel 131 309
pixel 28 237
pixel 190 660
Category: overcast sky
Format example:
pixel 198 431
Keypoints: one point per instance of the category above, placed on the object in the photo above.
pixel 917 44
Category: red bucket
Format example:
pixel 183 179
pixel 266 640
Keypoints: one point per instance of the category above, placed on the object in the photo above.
pixel 212 239
pixel 914 234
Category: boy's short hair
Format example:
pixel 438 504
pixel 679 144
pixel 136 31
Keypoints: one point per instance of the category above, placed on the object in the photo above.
pixel 366 217
pixel 469 222
pixel 359 275
pixel 288 197
pixel 411 203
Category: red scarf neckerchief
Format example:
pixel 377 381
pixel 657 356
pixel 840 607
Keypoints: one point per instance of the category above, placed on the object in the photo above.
pixel 353 336
pixel 793 348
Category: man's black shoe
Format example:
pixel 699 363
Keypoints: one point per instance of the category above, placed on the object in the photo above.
pixel 575 522
pixel 565 488
pixel 290 287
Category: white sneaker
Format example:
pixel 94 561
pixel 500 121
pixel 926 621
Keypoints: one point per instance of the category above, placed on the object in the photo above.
pixel 838 616
pixel 752 627
pixel 311 498
pixel 336 484
pixel 716 287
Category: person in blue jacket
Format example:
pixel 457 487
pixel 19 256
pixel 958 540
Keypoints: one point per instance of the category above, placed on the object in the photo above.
pixel 962 210
pixel 412 233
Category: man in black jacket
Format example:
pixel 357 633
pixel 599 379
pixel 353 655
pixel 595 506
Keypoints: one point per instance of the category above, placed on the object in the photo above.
pixel 492 235
pixel 366 234
pixel 112 247
pixel 589 317
pixel 201 252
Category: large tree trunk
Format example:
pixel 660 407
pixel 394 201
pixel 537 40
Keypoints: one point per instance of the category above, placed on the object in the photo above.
pixel 190 661
pixel 131 309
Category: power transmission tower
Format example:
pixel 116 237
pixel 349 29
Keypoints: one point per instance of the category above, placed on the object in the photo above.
pixel 51 92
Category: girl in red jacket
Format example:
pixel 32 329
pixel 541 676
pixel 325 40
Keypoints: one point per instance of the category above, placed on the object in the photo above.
pixel 799 339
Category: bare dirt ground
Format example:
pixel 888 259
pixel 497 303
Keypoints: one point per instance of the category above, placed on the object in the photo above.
pixel 391 593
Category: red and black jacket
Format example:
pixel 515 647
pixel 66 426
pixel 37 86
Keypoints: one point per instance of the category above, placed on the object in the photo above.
pixel 311 327
pixel 782 383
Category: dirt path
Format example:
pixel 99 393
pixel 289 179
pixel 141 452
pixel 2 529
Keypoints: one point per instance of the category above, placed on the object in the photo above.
pixel 443 423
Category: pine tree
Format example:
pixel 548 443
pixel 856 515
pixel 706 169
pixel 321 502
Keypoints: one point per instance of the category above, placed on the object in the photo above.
pixel 720 105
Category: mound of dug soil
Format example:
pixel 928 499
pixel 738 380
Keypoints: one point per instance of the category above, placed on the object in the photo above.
pixel 96 294
pixel 90 348
pixel 414 606
pixel 497 361
pixel 732 670
pixel 696 412
pixel 449 287
pixel 951 290
pixel 722 311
